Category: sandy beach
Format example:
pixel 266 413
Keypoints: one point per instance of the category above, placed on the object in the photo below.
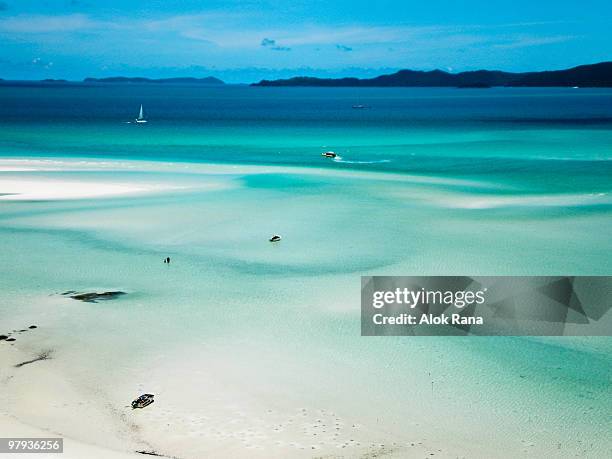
pixel 202 408
pixel 11 428
pixel 14 190
pixel 44 188
pixel 43 396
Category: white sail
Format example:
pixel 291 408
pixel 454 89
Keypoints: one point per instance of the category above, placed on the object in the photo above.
pixel 141 115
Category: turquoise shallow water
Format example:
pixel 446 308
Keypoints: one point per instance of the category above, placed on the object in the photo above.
pixel 550 139
pixel 431 181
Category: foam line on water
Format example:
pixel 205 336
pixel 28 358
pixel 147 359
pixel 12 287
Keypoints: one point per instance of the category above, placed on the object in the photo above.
pixel 339 159
pixel 490 202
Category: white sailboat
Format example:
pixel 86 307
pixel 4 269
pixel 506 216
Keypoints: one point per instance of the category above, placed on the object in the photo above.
pixel 141 118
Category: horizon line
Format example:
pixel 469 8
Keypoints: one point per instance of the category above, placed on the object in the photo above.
pixel 153 79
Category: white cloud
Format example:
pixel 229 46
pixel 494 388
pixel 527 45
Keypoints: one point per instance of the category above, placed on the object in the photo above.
pixel 238 40
pixel 228 30
pixel 522 41
pixel 35 24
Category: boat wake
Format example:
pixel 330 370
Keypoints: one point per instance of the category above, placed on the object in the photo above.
pixel 339 159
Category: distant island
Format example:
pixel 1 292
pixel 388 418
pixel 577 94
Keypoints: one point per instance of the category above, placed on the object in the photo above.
pixel 179 80
pixel 584 76
pixel 207 81
pixel 595 75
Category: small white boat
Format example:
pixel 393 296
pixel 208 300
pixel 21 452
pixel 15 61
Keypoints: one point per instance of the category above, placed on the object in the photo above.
pixel 360 106
pixel 329 154
pixel 141 118
pixel 143 401
pixel 275 238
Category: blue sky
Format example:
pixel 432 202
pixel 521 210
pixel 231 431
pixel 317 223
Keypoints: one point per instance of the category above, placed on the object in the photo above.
pixel 244 41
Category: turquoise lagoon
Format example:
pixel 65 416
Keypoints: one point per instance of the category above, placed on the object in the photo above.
pixel 429 181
